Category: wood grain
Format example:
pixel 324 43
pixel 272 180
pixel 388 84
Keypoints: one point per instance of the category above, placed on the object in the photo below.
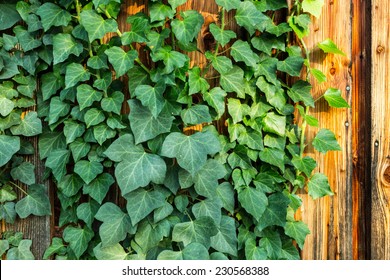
pixel 380 129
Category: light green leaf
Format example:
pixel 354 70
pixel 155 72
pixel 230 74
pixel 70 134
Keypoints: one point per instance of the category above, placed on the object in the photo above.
pixel 24 173
pixel 210 207
pixel 102 132
pixel 241 51
pixel 6 106
pixel 176 3
pixel 113 252
pixel 121 60
pixel 93 117
pixel 292 65
pixel 313 6
pixel 70 184
pixel 95 25
pixel 249 17
pixel 196 231
pixel 325 141
pixel 300 24
pixel 172 59
pixel 53 15
pixel 73 130
pixel 79 149
pixel 113 103
pixel 99 187
pixel 275 124
pixel 253 252
pixel 57 109
pixel 7 212
pixel 306 164
pixel 319 186
pixel 57 247
pixel 78 239
pixel 300 91
pixel 237 110
pixel 225 240
pixel 9 145
pixel 138 169
pixel 196 114
pixel 141 203
pixel 318 74
pixel 233 80
pixel 254 201
pixel 115 225
pixel 88 170
pixel 190 151
pixel 86 95
pixel 187 29
pixel 22 252
pixel 228 4
pixel 220 63
pixel 7 194
pixel 159 12
pixel 334 98
pixel 75 73
pixel 196 82
pixel 36 202
pixel 216 99
pixel 4 246
pixel 152 97
pixel 221 35
pixel 161 213
pixel 148 236
pixel 275 213
pixel 31 125
pixel 328 46
pixel 144 125
pixel 297 230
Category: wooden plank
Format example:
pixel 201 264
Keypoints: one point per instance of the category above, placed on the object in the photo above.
pixel 330 218
pixel 380 87
pixel 361 129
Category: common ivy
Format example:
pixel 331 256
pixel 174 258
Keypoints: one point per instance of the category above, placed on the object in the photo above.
pixel 107 118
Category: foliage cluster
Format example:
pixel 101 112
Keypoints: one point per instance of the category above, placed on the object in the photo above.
pixel 208 195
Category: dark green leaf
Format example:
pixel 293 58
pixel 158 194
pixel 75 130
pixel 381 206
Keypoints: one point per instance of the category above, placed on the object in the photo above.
pixel 86 95
pixel 36 202
pixel 159 12
pixel 78 239
pixel 306 164
pixel 297 230
pixel 8 15
pixel 57 247
pixel 187 29
pixel 292 65
pixel 70 184
pixel 102 132
pixel 274 157
pixel 9 145
pixel 253 252
pixel 75 73
pixel 93 117
pixel 254 201
pixel 49 142
pixel 241 51
pixel 225 240
pixel 216 99
pixel 300 91
pixel 86 211
pixel 26 40
pixel 22 252
pixel 95 25
pixel 196 82
pixel 88 170
pixel 31 125
pixel 228 4
pixel 51 83
pixel 53 15
pixel 56 161
pixel 172 59
pixel 210 207
pixel 7 212
pixel 121 60
pixel 151 97
pixel 73 130
pixel 221 35
pixel 233 80
pixel 99 187
pixel 24 173
pixel 58 109
pixel 113 103
pixel 272 243
pixel 249 17
pixel 275 213
pixel 196 114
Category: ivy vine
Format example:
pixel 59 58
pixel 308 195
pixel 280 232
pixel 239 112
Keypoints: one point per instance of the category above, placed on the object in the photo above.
pixel 108 117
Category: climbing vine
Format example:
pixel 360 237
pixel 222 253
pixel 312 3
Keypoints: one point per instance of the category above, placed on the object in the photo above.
pixel 114 108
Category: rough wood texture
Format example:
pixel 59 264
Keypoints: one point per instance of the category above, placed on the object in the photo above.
pixel 380 86
pixel 330 218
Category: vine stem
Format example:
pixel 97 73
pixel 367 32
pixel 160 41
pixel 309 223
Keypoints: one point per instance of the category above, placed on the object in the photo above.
pixel 18 187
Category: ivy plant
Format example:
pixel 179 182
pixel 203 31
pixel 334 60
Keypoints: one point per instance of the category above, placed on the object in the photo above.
pixel 110 119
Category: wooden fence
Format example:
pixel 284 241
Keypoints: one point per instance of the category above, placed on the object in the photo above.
pixel 355 222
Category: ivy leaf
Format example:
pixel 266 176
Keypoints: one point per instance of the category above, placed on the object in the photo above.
pixel 24 173
pixel 53 15
pixel 73 130
pixel 138 169
pixel 159 12
pixel 216 99
pixel 56 161
pixel 22 252
pixel 172 59
pixel 7 194
pixel 6 106
pixel 225 240
pixel 49 142
pixel 267 42
pixel 102 132
pixel 113 103
pixel 57 246
pixel 151 97
pixel 237 110
pixel 51 83
pixel 313 7
pixel 9 15
pixel 275 213
pixel 222 36
pixel 275 124
pixel 306 164
pixel 193 251
pixel 36 202
pixel 225 192
pixel 190 151
pixel 195 231
pixel 220 63
pixel 86 95
pixel 274 157
pixel 300 24
pixel 233 80
pixel 328 46
pixel 58 109
pixel 196 114
pixel 86 211
pixel 300 91
pixel 325 141
pixel 196 82
pixel 99 187
pixel 334 98
pixel 95 25
pixel 88 170
pixel 253 252
pixel 31 125
pixel 187 29
pixel 141 203
pixel 251 138
pixel 210 207
pixel 249 17
pixel 228 4
pixel 78 239
pixel 319 186
pixel 70 184
pixel 79 149
pixel 115 225
pixel 298 231
pixel 113 252
pixel 75 73
pixel 4 246
pixel 272 243
pixel 26 40
pixel 292 65
pixel 9 145
pixel 120 148
pixel 7 212
pixel 254 201
pixel 121 60
pixel 241 51
pixel 93 117
pixel 176 3
pixel 149 235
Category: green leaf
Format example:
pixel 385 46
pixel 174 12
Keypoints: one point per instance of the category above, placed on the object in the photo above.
pixel 57 247
pixel 7 212
pixel 141 203
pixel 253 252
pixel 8 15
pixel 58 109
pixel 318 74
pixel 99 187
pixel 233 80
pixel 216 99
pixel 220 63
pixel 196 114
pixel 88 170
pixel 22 252
pixel 252 139
pixel 93 117
pixel 176 3
pixel 75 73
pixel 275 124
pixel 254 201
pixel 306 164
pixel 36 202
pixel 138 169
pixel 113 103
pixel 300 91
pixel 225 240
pixel 225 192
pixel 196 231
pixel 274 157
pixel 56 161
pixel 73 130
pixel 6 106
pixel 51 83
pixel 275 213
pixel 95 25
pixel 289 251
pixel 271 5
pixel 193 251
pixel 292 65
pixel 325 141
pixel 334 98
pixel 237 110
pixel 120 149
pixel 249 17
pixel 53 15
pixel 222 36
pixel 187 29
pixel 149 235
pixel 24 173
pixel 26 40
pixel 79 149
pixel 228 4
pixel 241 51
pixel 9 145
pixel 121 60
pixel 78 239
pixel 70 184
pixel 172 59
pixel 319 186
pixel 102 132
pixel 267 42
pixel 328 46
pixel 210 207
pixel 206 179
pixel 152 97
pixel 4 246
pixel 115 225
pixel 298 231
pixel 50 141
pixel 7 194
pixel 300 25
pixel 272 243
pixel 313 7
pixel 162 212
pixel 86 95
pixel 144 125
pixel 196 82
pixel 159 12
pixel 190 151
pixel 31 125
pixel 86 211
pixel 113 252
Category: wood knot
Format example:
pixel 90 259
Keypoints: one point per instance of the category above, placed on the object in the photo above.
pixel 332 71
pixel 386 176
pixel 380 49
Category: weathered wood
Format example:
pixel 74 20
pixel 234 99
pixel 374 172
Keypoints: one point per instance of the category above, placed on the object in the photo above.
pixel 330 218
pixel 380 87
pixel 361 128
